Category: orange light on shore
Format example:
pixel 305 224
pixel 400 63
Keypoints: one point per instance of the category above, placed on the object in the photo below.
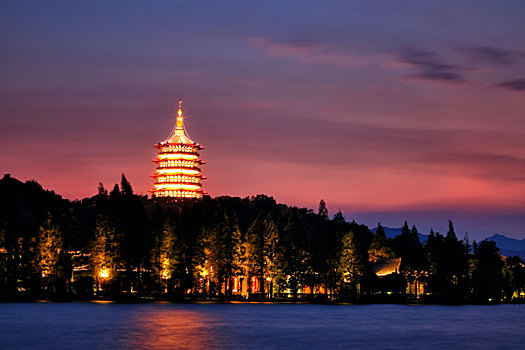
pixel 165 273
pixel 178 165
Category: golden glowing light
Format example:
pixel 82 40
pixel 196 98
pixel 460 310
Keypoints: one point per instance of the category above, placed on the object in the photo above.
pixel 178 165
pixel 165 268
pixel 177 156
pixel 104 273
pixel 177 186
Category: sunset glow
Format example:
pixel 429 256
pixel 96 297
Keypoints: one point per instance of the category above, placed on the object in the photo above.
pixel 387 111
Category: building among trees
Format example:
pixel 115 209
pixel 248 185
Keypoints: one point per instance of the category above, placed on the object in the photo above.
pixel 178 172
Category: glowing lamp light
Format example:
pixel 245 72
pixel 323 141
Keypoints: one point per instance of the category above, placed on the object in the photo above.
pixel 104 273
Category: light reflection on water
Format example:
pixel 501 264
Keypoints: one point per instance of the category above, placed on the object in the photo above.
pixel 258 326
pixel 173 329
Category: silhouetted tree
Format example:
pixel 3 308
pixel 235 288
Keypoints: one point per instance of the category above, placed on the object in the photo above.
pixel 186 246
pixel 380 247
pixel 487 274
pixel 261 243
pixel 225 250
pixel 323 211
pixel 413 258
pixel 294 258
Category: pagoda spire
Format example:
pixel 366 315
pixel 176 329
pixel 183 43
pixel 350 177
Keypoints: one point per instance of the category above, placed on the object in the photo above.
pixel 178 133
pixel 179 126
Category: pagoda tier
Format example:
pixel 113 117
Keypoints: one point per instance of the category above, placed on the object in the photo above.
pixel 178 172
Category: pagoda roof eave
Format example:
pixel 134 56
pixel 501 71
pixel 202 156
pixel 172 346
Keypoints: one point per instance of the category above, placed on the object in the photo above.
pixel 179 167
pixel 192 191
pixel 198 161
pixel 154 176
pixel 166 143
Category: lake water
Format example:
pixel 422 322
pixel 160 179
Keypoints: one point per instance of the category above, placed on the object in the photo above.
pixel 259 326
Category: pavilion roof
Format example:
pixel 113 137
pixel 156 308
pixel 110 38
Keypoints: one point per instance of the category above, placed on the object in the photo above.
pixel 385 267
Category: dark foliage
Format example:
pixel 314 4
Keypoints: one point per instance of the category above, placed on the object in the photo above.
pixel 119 245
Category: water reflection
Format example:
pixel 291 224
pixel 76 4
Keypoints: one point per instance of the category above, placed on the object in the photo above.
pixel 170 327
pixel 258 326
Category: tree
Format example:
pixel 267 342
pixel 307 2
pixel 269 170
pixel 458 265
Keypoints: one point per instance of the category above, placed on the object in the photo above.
pixel 455 262
pixel 380 246
pixel 487 274
pixel 339 218
pixel 262 243
pixel 294 259
pixel 413 258
pixel 50 253
pixel 516 276
pixel 435 249
pixel 352 263
pixel 104 252
pixel 166 256
pixel 128 216
pixel 102 190
pixel 409 248
pixel 3 263
pixel 449 264
pixel 323 211
pixel 127 191
pixel 271 254
pixel 224 250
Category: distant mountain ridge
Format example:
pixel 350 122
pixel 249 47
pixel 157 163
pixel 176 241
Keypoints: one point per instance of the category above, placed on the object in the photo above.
pixel 508 246
pixel 392 232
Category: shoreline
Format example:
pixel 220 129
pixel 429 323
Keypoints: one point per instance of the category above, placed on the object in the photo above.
pixel 146 300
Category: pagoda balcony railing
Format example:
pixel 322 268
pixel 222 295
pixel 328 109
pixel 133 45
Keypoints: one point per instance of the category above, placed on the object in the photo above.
pixel 181 151
pixel 196 176
pixel 177 196
pixel 184 148
pixel 198 161
pixel 178 167
pixel 179 183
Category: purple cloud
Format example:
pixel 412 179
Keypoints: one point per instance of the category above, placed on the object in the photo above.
pixel 490 55
pixel 429 66
pixel 516 85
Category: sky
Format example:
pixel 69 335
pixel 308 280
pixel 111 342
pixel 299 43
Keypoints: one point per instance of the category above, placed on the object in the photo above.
pixel 387 110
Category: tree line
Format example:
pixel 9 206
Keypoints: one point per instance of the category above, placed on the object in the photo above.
pixel 117 244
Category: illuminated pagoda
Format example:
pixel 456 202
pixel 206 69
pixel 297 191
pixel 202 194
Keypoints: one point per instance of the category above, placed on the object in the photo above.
pixel 178 173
